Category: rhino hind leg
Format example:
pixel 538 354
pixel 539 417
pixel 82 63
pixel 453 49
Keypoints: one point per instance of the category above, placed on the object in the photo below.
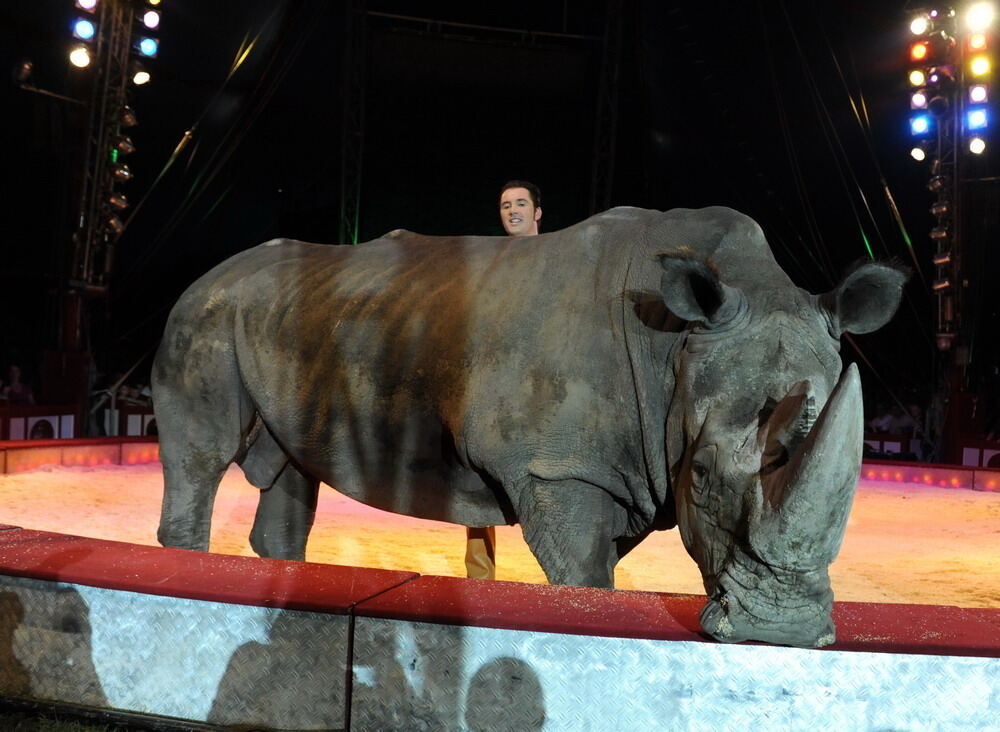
pixel 571 527
pixel 285 515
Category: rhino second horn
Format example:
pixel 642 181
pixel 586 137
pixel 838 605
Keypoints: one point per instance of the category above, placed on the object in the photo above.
pixel 802 523
pixel 787 427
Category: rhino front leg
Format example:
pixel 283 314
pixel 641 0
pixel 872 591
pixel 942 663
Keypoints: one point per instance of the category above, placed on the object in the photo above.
pixel 571 528
pixel 285 515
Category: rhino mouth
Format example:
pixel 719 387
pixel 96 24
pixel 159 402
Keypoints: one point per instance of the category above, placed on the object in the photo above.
pixel 756 601
pixel 776 587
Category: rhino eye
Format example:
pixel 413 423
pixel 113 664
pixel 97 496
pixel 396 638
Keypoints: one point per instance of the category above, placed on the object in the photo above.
pixel 700 465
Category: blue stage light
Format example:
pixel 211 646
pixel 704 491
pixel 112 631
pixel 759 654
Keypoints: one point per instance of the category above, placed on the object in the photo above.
pixel 920 125
pixel 977 118
pixel 84 29
pixel 148 46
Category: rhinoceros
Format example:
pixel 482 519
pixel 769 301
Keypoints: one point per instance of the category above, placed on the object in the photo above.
pixel 639 370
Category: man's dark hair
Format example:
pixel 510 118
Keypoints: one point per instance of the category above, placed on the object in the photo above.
pixel 536 195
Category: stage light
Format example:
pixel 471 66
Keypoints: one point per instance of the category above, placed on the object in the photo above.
pixel 124 145
pixel 980 66
pixel 920 125
pixel 148 46
pixel 918 154
pixel 977 42
pixel 80 57
pixel 920 25
pixel 115 225
pixel 918 100
pixel 917 78
pixel 936 183
pixel 977 146
pixel 938 233
pixel 979 16
pixel 976 119
pixel 23 72
pixel 942 259
pixel 88 5
pixel 151 19
pixel 940 208
pixel 919 51
pixel 118 201
pixel 121 172
pixel 941 75
pixel 938 286
pixel 154 3
pixel 978 93
pixel 139 74
pixel 128 118
pixel 84 29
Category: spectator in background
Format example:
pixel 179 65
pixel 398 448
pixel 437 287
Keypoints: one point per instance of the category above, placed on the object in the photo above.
pixel 17 393
pixel 130 395
pixel 901 422
pixel 882 420
pixel 144 394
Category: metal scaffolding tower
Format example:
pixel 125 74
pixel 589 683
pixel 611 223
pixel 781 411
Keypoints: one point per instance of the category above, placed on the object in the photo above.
pixel 97 228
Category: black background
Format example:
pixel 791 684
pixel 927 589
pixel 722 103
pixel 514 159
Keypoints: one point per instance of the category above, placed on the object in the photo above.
pixel 745 104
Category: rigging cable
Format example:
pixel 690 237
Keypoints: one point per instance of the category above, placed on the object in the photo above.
pixel 826 267
pixel 231 141
pixel 834 143
pixel 241 55
pixel 865 125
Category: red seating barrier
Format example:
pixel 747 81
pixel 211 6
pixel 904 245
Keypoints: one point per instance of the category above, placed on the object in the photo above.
pixel 871 627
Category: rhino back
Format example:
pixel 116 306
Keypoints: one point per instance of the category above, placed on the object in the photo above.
pixel 419 373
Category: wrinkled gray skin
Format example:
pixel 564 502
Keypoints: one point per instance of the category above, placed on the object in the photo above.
pixel 592 384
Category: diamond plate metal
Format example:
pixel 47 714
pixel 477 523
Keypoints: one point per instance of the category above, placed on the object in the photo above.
pixel 419 676
pixel 196 660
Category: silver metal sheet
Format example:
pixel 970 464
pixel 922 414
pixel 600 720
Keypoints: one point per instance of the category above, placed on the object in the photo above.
pixel 202 661
pixel 424 676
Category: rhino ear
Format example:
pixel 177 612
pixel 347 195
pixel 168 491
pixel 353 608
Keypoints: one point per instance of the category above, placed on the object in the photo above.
pixel 866 298
pixel 692 290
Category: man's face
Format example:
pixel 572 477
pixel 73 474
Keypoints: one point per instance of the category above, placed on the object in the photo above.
pixel 518 213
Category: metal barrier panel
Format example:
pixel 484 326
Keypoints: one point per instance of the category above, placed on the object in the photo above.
pixel 189 659
pixel 410 675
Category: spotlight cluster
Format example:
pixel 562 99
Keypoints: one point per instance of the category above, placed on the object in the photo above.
pixel 145 44
pixel 950 71
pixel 949 74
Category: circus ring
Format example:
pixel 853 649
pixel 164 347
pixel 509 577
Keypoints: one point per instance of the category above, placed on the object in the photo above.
pixel 104 621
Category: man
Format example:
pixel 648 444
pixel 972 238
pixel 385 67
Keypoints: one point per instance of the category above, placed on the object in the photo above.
pixel 520 214
pixel 520 208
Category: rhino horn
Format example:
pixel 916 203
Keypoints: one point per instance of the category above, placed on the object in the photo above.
pixel 798 512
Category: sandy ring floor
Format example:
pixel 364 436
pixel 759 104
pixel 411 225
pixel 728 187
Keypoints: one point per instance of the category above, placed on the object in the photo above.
pixel 904 543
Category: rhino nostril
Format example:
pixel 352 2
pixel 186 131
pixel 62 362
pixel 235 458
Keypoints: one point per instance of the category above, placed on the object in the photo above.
pixel 775 456
pixel 764 415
